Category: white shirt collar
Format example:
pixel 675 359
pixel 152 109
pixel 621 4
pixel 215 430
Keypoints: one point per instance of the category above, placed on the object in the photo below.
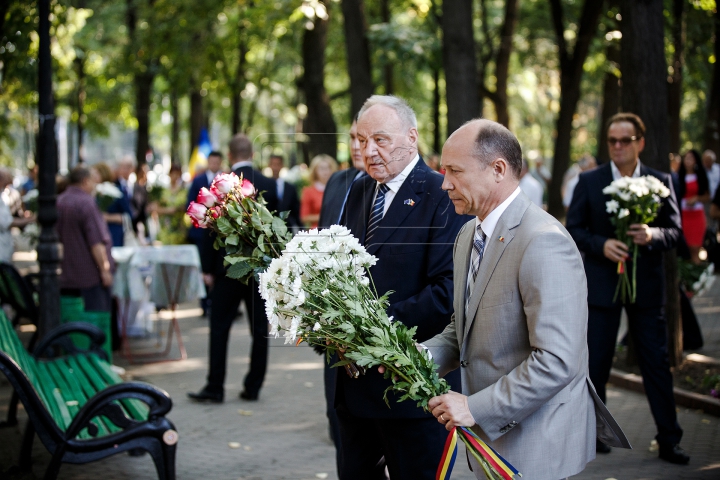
pixel 397 182
pixel 616 172
pixel 242 163
pixel 488 225
pixel 210 175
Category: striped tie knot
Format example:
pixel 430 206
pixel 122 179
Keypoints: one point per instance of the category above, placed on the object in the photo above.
pixel 376 214
pixel 478 249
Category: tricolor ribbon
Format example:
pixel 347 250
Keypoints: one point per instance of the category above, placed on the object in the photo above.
pixel 494 465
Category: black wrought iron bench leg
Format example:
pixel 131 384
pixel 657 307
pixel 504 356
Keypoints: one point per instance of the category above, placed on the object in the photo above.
pixel 164 458
pixel 53 467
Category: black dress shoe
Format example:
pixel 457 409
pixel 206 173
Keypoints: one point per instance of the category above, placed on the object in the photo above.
pixel 674 454
pixel 600 447
pixel 250 397
pixel 206 396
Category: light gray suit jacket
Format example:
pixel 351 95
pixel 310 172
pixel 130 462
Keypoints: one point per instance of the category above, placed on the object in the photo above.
pixel 522 347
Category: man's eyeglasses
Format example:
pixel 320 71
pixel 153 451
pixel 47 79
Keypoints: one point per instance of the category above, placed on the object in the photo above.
pixel 625 141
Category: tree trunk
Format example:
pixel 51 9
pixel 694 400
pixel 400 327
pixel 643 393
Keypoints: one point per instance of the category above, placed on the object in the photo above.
pixel 80 65
pixel 675 80
pixel 238 86
pixel 388 68
pixel 712 124
pixel 502 61
pixel 196 118
pixel 175 128
pixel 143 92
pixel 461 89
pixel 437 145
pixel 571 71
pixel 319 119
pixel 358 54
pixel 645 93
pixel 611 103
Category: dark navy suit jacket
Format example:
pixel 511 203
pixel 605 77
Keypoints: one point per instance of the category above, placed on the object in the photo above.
pixel 413 243
pixel 335 191
pixel 121 205
pixel 200 181
pixel 589 224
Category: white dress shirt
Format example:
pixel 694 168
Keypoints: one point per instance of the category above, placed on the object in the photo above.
pixel 395 184
pixel 488 225
pixel 616 172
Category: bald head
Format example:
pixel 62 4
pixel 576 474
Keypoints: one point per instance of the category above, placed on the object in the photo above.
pixel 482 161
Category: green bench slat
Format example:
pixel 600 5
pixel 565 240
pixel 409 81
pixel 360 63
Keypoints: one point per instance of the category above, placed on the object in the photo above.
pixel 135 408
pixel 57 408
pixel 90 386
pixel 72 395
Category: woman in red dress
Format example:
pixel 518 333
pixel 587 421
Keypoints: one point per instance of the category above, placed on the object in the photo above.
pixel 321 168
pixel 694 193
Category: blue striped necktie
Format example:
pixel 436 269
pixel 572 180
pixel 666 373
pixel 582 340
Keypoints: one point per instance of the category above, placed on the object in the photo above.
pixel 475 259
pixel 377 212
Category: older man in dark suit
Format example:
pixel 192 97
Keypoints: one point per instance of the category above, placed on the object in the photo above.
pixel 401 215
pixel 589 224
pixel 227 294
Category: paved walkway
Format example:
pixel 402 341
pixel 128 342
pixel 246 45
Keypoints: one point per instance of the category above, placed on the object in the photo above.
pixel 284 434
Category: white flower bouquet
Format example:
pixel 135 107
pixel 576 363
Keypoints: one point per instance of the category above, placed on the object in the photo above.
pixel 107 193
pixel 633 200
pixel 319 291
pixel 695 279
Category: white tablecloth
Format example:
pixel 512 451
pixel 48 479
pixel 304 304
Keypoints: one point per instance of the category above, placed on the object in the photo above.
pixel 134 264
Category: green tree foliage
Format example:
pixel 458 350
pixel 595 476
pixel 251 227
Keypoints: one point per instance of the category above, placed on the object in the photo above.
pixel 244 59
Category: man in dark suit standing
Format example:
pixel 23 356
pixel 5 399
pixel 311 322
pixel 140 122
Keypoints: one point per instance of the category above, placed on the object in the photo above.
pixel 589 224
pixel 287 195
pixel 198 236
pixel 227 294
pixel 338 187
pixel 401 215
pixel 333 204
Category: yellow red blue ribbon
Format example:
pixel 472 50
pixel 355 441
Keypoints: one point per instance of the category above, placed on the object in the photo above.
pixel 448 457
pixel 480 449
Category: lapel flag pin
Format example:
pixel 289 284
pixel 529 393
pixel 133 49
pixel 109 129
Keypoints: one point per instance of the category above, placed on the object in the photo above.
pixel 501 238
pixel 409 201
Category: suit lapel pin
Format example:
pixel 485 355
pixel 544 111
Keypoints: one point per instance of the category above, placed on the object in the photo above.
pixel 409 201
pixel 501 238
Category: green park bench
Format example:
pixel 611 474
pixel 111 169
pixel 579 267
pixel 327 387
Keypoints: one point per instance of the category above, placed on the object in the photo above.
pixel 79 407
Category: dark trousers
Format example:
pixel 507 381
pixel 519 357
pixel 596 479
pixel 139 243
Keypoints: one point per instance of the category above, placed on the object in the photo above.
pixel 649 333
pixel 330 380
pixel 412 447
pixel 226 296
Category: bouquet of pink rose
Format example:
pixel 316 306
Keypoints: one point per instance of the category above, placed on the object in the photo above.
pixel 251 235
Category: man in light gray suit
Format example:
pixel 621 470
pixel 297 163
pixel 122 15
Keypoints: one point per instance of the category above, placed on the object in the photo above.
pixel 519 329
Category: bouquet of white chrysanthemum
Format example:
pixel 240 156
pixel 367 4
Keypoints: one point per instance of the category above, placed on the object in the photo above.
pixel 319 291
pixel 633 200
pixel 107 193
pixel 695 279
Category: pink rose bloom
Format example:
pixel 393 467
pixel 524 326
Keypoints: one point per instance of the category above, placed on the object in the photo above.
pixel 247 188
pixel 216 211
pixel 221 196
pixel 225 182
pixel 196 212
pixel 207 197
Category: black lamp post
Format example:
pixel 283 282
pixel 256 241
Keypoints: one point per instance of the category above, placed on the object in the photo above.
pixel 48 247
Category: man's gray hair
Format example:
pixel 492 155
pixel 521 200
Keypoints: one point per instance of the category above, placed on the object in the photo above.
pixel 495 141
pixel 401 107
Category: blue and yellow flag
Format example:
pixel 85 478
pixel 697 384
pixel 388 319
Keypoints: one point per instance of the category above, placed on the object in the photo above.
pixel 202 149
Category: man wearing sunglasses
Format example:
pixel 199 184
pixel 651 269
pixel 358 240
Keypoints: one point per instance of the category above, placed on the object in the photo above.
pixel 589 224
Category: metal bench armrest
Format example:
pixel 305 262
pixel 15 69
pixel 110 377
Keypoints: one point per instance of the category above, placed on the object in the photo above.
pixel 60 336
pixel 102 403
